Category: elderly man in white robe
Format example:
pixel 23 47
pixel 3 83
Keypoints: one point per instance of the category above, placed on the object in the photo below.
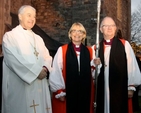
pixel 25 66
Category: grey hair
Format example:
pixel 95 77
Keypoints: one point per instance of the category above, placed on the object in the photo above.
pixel 106 18
pixel 22 8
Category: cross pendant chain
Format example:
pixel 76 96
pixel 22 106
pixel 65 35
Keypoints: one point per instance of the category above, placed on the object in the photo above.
pixel 36 52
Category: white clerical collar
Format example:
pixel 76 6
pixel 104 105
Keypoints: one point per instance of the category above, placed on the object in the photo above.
pixel 77 46
pixel 107 40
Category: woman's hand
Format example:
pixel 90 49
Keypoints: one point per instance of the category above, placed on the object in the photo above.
pixel 62 98
pixel 130 93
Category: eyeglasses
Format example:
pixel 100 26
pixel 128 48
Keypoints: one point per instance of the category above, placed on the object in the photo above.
pixel 77 31
pixel 107 26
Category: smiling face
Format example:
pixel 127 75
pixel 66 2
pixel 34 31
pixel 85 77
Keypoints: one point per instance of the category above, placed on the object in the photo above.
pixel 27 18
pixel 108 28
pixel 77 33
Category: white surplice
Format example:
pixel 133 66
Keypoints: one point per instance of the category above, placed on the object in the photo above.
pixel 56 79
pixel 21 87
pixel 134 75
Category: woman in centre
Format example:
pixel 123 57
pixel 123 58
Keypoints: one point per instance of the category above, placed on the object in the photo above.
pixel 71 79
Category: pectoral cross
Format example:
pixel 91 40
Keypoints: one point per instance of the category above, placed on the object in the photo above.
pixel 36 52
pixel 34 105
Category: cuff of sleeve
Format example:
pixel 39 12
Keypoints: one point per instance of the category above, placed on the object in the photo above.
pixel 59 91
pixel 60 95
pixel 45 68
pixel 92 68
pixel 99 66
pixel 131 87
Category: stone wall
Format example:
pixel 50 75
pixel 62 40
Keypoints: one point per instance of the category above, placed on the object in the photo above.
pixel 4 18
pixel 16 4
pixel 120 10
pixel 55 17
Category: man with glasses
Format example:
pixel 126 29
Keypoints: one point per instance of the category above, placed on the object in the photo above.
pixel 119 73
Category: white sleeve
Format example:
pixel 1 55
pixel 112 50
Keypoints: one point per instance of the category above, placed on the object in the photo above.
pixel 93 65
pixel 56 79
pixel 16 62
pixel 134 75
pixel 47 58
